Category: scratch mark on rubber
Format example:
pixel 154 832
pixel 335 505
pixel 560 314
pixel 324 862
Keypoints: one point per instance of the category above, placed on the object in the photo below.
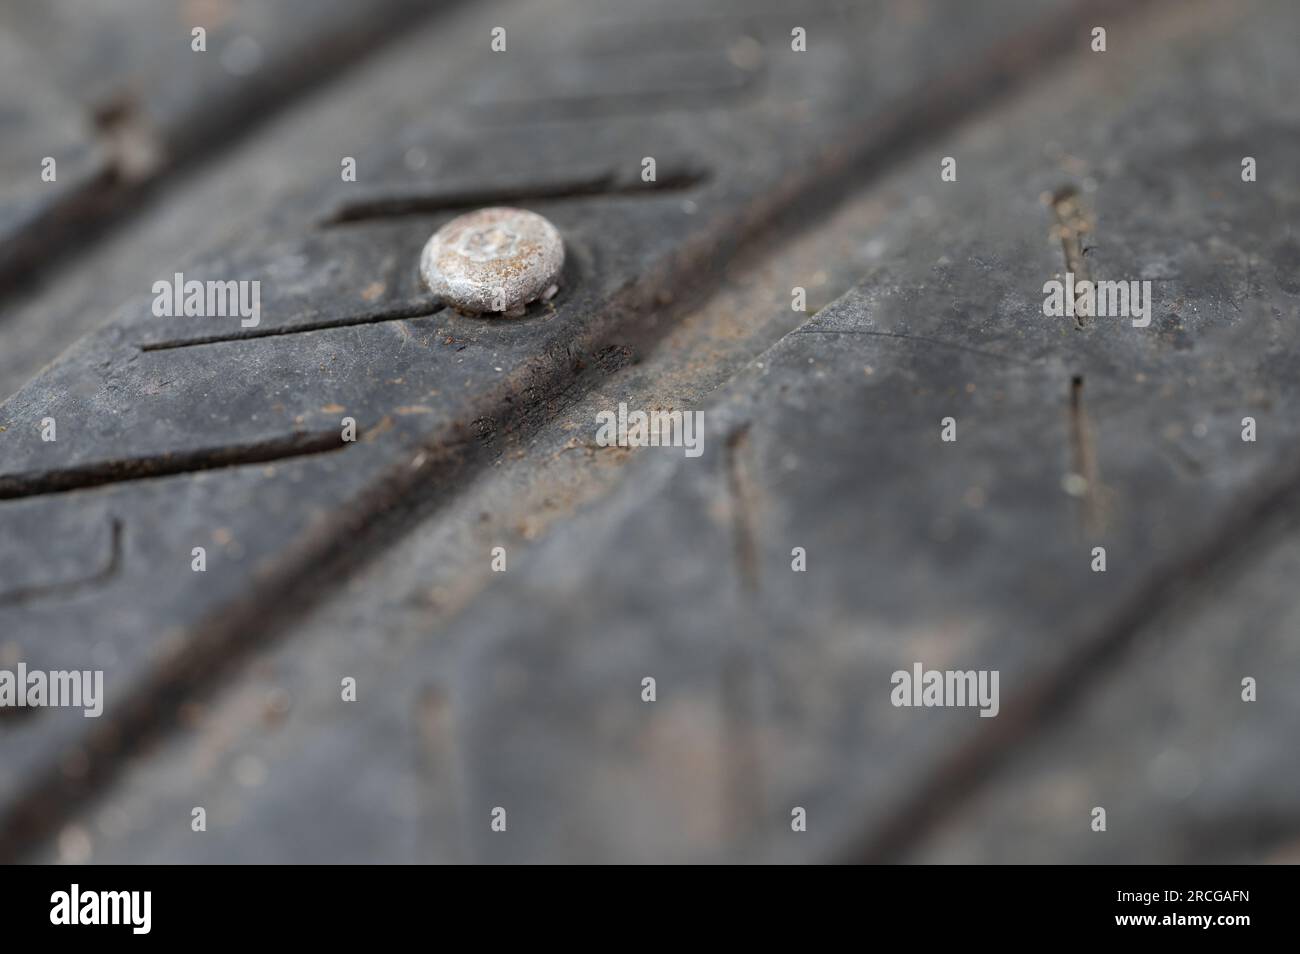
pixel 741 491
pixel 398 203
pixel 402 312
pixel 99 473
pixel 1085 464
pixel 740 691
pixel 1072 224
pixel 109 570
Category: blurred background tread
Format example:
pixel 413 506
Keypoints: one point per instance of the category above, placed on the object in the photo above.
pixel 116 92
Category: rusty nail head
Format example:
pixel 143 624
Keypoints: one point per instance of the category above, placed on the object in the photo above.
pixel 495 260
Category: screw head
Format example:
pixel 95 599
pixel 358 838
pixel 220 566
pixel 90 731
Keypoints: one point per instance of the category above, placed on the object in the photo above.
pixel 493 260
